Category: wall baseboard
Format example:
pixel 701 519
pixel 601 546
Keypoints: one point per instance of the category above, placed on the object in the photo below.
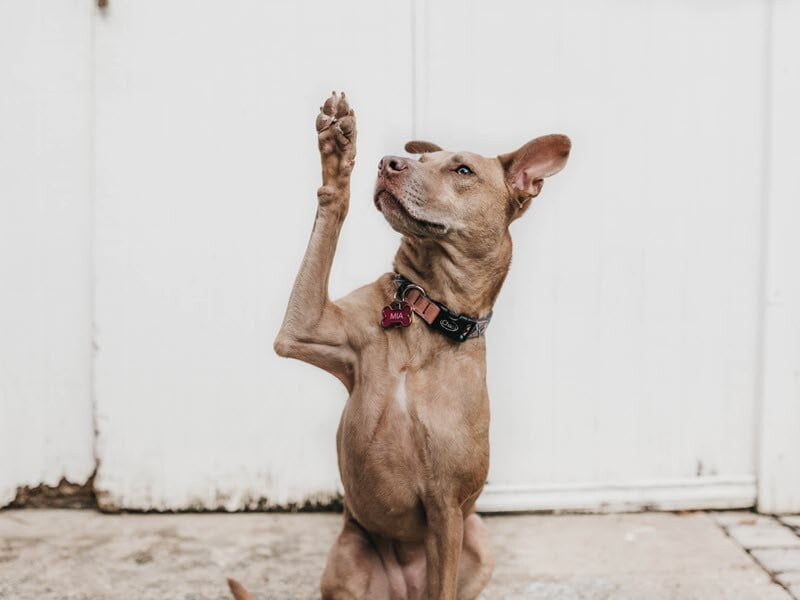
pixel 713 492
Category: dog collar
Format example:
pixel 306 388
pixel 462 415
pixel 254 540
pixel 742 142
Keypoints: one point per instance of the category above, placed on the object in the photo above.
pixel 409 297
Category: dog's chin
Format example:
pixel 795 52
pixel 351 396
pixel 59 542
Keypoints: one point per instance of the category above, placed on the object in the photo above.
pixel 401 220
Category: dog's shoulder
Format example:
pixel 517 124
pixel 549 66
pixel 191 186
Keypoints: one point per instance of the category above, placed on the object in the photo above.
pixel 361 309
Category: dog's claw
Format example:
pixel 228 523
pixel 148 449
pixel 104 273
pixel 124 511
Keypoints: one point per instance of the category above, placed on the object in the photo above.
pixel 342 108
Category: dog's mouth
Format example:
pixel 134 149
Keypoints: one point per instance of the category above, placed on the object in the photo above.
pixel 385 200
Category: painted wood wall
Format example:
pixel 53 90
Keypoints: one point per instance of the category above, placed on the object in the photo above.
pixel 779 398
pixel 46 187
pixel 628 364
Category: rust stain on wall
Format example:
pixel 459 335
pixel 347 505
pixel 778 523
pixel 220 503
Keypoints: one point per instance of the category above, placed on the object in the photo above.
pixel 64 495
pixel 107 503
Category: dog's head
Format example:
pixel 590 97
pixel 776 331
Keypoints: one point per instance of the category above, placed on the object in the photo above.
pixel 462 196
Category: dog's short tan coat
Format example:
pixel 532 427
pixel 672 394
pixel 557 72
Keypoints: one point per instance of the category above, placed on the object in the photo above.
pixel 413 441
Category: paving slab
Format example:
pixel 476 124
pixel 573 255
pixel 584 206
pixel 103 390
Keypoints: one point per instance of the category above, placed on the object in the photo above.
pixel 84 555
pixel 789 579
pixel 764 535
pixel 791 520
pixel 779 560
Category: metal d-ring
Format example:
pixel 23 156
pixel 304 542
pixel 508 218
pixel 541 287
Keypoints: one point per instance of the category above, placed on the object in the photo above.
pixel 411 286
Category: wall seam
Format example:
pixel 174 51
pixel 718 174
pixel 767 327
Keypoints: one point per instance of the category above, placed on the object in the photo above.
pixel 764 230
pixel 93 251
pixel 413 11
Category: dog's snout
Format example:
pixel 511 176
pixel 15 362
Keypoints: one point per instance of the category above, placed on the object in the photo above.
pixel 397 164
pixel 392 164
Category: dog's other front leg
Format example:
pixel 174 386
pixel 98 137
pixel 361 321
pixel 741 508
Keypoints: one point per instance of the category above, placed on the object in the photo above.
pixel 313 329
pixel 443 550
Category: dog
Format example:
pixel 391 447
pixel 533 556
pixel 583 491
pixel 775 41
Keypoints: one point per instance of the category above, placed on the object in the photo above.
pixel 413 440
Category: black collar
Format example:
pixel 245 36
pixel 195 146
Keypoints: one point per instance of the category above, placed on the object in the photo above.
pixel 452 325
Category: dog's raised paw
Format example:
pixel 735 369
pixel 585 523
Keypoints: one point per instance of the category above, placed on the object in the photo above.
pixel 336 132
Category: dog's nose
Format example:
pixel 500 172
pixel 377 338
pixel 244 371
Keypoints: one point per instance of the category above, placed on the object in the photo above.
pixel 390 165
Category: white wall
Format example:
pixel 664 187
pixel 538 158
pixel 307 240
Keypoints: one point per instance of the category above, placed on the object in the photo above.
pixel 636 273
pixel 46 182
pixel 637 364
pixel 639 275
pixel 779 456
pixel 207 178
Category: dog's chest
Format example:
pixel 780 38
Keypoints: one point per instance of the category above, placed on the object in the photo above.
pixel 408 422
pixel 420 380
pixel 407 436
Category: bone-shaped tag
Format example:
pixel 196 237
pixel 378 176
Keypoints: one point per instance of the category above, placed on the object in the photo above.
pixel 396 314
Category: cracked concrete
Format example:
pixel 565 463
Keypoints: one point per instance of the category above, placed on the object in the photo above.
pixel 81 554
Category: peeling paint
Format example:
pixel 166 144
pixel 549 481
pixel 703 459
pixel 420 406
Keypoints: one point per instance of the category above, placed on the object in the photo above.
pixel 315 503
pixel 65 494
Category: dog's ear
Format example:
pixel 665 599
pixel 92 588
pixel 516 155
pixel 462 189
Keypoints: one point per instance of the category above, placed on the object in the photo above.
pixel 418 147
pixel 527 167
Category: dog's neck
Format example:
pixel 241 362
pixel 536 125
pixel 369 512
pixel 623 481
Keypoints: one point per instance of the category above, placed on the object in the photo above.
pixel 464 282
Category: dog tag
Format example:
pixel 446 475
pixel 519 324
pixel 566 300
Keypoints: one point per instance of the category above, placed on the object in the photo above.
pixel 397 314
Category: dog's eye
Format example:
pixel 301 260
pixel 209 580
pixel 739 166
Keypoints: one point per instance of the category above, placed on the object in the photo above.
pixel 464 170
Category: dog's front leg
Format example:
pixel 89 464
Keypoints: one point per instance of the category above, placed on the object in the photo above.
pixel 443 550
pixel 313 329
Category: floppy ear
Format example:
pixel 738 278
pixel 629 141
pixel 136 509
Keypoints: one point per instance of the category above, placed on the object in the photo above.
pixel 418 147
pixel 527 167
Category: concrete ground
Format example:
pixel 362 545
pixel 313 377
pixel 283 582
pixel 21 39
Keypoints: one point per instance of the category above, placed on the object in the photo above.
pixel 82 554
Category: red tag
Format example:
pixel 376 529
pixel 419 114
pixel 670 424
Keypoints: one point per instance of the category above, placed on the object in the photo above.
pixel 396 314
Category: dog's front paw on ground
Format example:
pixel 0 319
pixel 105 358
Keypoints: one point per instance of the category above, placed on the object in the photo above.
pixel 336 133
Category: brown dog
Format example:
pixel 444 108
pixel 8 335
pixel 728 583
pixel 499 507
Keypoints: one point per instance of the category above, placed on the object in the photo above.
pixel 413 441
